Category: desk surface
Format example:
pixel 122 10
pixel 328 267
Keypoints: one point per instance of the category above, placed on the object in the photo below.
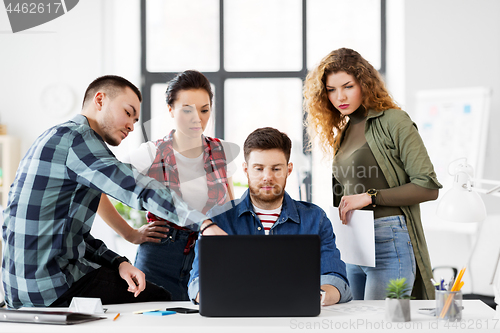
pixel 355 315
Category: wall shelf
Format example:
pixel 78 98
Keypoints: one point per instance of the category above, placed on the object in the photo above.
pixel 9 162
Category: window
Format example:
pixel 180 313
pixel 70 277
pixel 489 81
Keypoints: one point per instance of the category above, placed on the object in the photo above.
pixel 182 35
pixel 262 35
pixel 256 53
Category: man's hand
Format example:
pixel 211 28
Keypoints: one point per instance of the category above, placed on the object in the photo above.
pixel 133 276
pixel 212 230
pixel 349 203
pixel 150 232
pixel 332 295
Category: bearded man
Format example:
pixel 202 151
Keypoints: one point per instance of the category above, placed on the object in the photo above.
pixel 266 209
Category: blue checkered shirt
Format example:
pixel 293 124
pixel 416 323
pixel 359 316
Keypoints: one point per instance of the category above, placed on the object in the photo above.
pixel 47 244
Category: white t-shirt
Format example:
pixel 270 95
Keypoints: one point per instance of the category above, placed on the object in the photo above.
pixel 192 176
pixel 267 217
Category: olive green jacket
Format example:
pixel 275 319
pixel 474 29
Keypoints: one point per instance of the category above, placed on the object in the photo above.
pixel 401 155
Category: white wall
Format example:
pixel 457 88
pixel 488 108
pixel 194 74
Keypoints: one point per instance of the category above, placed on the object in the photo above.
pixel 455 44
pixel 93 39
pixel 65 51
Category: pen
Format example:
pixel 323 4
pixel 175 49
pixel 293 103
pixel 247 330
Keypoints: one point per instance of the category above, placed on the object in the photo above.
pixel 450 284
pixel 142 311
pixel 458 280
pixel 435 284
pixel 116 317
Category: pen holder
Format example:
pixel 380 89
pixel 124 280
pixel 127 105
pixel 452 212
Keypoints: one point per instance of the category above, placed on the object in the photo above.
pixel 449 305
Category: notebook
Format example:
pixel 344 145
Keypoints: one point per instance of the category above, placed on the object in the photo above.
pixel 46 317
pixel 259 276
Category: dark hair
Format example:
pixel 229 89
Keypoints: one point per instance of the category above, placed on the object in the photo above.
pixel 112 84
pixel 187 80
pixel 267 138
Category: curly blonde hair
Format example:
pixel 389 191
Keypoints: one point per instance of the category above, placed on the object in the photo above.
pixel 323 119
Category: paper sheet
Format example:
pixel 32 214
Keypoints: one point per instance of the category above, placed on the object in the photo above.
pixel 356 239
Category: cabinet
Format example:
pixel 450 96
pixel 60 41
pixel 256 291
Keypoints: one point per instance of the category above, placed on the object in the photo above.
pixel 9 161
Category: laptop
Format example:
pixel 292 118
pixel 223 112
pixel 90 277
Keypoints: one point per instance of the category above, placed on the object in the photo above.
pixel 259 276
pixel 46 317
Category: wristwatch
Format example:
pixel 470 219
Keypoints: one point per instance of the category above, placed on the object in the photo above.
pixel 373 194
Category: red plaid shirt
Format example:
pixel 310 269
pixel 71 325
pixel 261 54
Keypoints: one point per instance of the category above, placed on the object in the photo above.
pixel 164 169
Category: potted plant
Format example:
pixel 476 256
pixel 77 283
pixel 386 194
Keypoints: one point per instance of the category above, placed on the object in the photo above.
pixel 397 302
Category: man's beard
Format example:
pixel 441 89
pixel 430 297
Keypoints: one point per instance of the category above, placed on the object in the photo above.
pixel 106 130
pixel 110 140
pixel 276 195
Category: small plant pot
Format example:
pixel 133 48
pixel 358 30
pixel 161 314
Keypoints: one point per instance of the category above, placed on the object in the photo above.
pixel 397 310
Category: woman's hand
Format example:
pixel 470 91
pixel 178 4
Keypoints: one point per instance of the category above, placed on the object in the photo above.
pixel 349 203
pixel 151 232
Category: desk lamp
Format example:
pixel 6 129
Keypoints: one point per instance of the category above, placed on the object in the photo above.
pixel 2 296
pixel 462 203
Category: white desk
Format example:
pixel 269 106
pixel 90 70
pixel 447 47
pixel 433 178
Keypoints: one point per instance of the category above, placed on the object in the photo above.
pixel 355 315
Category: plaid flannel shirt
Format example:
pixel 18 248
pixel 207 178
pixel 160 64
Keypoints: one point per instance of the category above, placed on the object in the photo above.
pixel 52 206
pixel 164 169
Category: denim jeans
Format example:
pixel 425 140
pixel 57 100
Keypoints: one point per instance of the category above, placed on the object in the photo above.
pixel 394 258
pixel 165 263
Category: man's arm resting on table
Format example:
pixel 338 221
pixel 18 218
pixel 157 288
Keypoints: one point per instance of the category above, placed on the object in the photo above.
pixel 340 289
pixel 207 228
pixel 331 296
pixel 193 290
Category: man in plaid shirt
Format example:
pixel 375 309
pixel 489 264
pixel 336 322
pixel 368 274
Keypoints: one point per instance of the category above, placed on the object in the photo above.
pixel 49 255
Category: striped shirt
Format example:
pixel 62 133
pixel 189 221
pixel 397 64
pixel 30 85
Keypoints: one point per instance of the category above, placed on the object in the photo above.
pixel 52 205
pixel 267 217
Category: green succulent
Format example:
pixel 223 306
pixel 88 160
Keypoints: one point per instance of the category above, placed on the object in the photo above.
pixel 398 288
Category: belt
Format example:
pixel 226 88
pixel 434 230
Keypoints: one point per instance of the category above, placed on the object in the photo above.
pixel 193 235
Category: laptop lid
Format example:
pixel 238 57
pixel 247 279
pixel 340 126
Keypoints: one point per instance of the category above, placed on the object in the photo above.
pixel 46 317
pixel 259 275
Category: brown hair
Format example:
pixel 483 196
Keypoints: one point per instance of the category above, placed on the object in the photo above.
pixel 267 138
pixel 112 85
pixel 323 119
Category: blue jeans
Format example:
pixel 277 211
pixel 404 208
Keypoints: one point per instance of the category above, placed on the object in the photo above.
pixel 165 263
pixel 394 259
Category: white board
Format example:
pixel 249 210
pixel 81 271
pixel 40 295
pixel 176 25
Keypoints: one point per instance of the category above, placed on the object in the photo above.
pixel 453 124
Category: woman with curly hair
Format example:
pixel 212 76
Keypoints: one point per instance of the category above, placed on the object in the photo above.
pixel 379 163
